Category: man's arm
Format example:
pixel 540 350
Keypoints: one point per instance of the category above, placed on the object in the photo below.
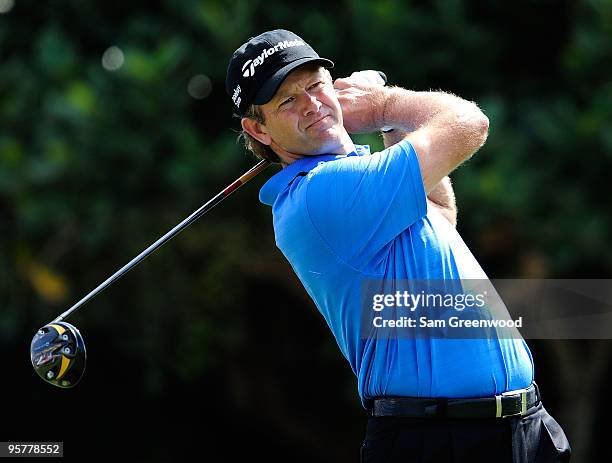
pixel 442 195
pixel 444 129
pixel 448 129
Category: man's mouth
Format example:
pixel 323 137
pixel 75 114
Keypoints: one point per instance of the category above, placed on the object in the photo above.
pixel 318 121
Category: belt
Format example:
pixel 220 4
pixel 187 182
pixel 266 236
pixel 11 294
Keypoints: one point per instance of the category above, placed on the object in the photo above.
pixel 507 404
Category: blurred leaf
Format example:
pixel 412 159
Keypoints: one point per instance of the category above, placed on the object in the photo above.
pixel 48 284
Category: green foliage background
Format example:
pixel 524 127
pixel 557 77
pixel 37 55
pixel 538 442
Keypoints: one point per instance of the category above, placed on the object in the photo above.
pixel 95 165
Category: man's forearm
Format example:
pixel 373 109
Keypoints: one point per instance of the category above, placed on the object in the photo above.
pixel 444 129
pixel 443 197
pixel 409 110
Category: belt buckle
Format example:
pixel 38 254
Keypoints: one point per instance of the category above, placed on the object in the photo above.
pixel 498 403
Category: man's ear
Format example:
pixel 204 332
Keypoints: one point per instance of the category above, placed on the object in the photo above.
pixel 256 130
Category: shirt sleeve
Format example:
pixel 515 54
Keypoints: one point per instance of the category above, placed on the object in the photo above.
pixel 359 204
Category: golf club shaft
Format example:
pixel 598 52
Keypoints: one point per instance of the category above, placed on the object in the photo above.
pixel 259 167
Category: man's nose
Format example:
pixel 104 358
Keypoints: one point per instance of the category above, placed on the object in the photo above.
pixel 310 104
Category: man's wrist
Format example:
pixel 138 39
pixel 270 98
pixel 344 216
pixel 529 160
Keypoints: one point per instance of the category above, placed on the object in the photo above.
pixel 387 124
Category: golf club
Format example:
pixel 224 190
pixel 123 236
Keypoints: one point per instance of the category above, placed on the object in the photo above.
pixel 58 352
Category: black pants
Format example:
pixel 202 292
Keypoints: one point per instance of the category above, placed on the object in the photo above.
pixel 535 437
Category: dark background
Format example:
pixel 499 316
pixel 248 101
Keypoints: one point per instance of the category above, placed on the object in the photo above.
pixel 211 345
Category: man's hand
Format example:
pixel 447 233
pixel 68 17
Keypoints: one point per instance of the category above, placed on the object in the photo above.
pixel 362 99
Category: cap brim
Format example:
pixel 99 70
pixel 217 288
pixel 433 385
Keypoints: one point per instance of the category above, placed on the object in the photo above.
pixel 267 91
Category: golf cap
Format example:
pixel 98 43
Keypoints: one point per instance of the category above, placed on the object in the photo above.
pixel 260 66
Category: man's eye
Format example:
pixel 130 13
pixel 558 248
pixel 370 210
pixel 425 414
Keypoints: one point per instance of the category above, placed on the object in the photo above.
pixel 286 101
pixel 317 84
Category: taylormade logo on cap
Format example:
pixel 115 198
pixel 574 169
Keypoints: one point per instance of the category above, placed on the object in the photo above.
pixel 248 68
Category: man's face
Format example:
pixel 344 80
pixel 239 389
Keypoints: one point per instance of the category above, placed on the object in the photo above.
pixel 304 117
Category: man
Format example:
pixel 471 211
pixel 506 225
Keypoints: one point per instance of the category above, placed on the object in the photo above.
pixel 343 216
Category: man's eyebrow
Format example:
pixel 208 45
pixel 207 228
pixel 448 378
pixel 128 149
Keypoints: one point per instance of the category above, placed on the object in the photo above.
pixel 280 95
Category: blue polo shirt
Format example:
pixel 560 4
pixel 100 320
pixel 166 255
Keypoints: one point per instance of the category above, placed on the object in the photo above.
pixel 342 219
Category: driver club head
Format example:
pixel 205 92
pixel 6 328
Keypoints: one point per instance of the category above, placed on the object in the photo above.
pixel 58 354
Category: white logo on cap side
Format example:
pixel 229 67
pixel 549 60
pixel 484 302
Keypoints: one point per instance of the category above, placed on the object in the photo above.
pixel 248 68
pixel 236 96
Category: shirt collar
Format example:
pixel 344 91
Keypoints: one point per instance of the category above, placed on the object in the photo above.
pixel 277 183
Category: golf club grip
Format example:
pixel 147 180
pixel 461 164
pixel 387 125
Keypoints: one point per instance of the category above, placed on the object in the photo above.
pixel 260 166
pixel 248 175
pixel 383 76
